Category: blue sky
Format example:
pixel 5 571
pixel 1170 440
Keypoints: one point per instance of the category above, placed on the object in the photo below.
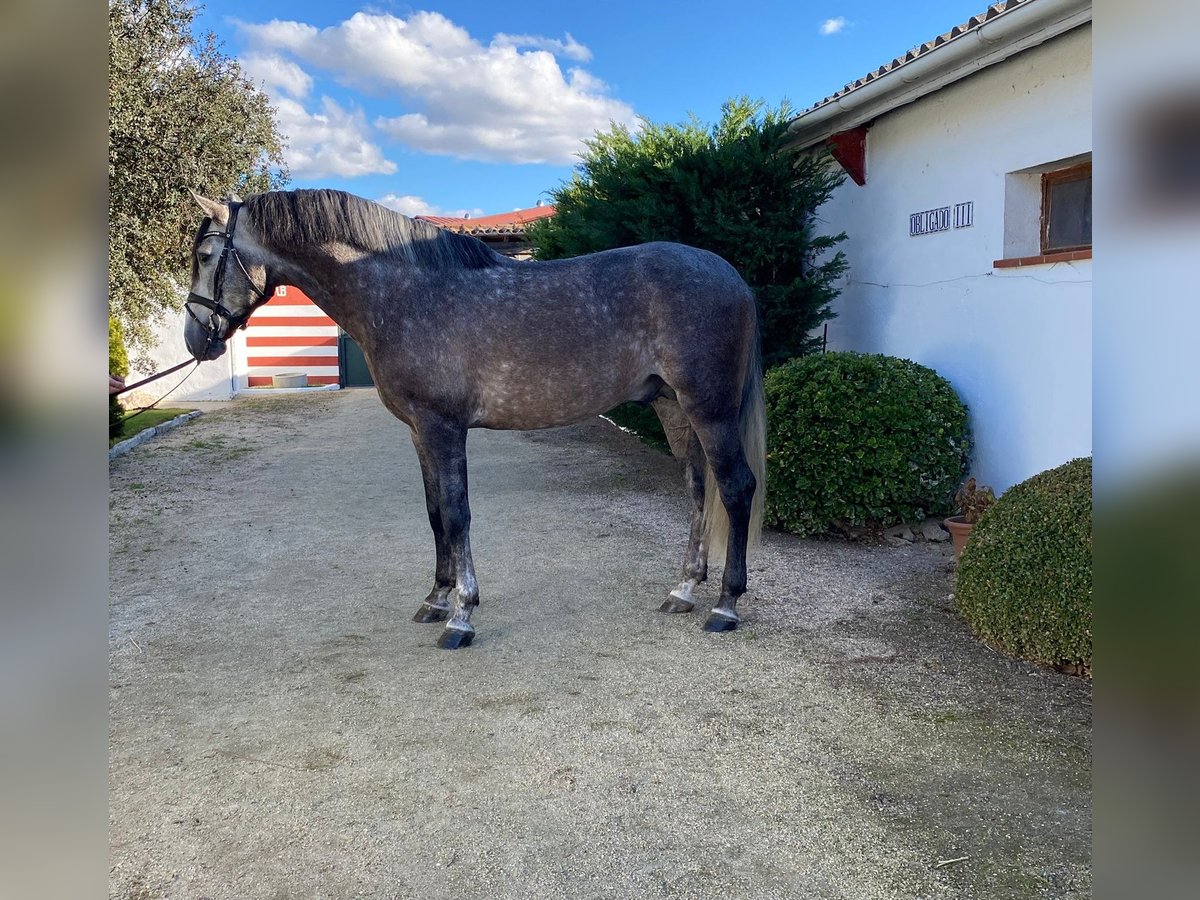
pixel 461 105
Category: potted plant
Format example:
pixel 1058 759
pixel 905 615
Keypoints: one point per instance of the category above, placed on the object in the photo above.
pixel 970 500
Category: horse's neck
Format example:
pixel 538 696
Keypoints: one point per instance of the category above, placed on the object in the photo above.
pixel 325 275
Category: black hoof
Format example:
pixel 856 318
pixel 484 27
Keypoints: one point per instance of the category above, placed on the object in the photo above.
pixel 675 605
pixel 455 638
pixel 429 613
pixel 718 622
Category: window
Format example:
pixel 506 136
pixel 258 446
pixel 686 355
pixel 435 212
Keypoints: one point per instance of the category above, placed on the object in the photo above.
pixel 1067 209
pixel 1048 213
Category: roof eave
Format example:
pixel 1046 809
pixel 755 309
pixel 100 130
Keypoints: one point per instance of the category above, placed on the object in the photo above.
pixel 994 41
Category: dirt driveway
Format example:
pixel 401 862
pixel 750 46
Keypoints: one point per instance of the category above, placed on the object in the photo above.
pixel 281 729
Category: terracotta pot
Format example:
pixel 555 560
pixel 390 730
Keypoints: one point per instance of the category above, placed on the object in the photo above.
pixel 960 530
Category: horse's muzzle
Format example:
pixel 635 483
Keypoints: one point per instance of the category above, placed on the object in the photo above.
pixel 215 349
pixel 201 342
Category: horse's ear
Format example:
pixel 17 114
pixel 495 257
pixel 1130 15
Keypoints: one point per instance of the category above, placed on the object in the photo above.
pixel 233 198
pixel 214 209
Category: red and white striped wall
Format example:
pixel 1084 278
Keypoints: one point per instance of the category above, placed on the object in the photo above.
pixel 289 333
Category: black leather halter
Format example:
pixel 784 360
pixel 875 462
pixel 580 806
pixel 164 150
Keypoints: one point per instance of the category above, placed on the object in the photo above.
pixel 217 329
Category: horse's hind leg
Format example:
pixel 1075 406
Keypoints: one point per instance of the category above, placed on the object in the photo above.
pixel 722 442
pixel 442 447
pixel 695 560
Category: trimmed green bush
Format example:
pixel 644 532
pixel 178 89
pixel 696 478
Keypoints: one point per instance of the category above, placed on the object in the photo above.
pixel 860 439
pixel 118 365
pixel 1024 581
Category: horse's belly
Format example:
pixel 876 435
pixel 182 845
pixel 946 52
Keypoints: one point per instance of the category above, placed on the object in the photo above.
pixel 548 403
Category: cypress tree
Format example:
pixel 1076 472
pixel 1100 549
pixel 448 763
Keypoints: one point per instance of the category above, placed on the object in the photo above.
pixel 734 188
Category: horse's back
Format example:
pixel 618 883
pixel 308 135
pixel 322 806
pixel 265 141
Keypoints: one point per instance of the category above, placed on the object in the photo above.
pixel 664 267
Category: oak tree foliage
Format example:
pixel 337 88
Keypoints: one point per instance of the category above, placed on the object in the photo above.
pixel 734 188
pixel 182 116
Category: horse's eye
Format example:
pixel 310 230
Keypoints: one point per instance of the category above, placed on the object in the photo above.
pixel 204 256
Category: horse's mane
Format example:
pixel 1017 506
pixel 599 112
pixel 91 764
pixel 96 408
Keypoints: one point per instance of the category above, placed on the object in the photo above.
pixel 284 218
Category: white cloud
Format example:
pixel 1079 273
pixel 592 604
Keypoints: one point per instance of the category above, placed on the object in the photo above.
pixel 494 142
pixel 569 48
pixel 328 141
pixel 497 102
pixel 833 26
pixel 333 141
pixel 277 33
pixel 408 204
pixel 277 75
pixel 586 82
pixel 411 205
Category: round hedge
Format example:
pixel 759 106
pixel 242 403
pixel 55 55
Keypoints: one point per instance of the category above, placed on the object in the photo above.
pixel 1024 581
pixel 860 439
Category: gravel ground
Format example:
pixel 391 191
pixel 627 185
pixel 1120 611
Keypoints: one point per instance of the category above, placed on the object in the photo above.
pixel 281 729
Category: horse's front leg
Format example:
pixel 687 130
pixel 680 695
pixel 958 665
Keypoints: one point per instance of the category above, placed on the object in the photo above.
pixel 442 446
pixel 436 607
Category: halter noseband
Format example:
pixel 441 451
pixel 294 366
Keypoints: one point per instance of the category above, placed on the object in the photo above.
pixel 217 309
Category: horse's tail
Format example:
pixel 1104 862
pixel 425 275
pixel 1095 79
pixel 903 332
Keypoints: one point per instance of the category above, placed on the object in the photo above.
pixel 752 426
pixel 752 423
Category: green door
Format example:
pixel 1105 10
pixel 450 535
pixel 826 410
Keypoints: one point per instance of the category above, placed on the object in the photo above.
pixel 352 365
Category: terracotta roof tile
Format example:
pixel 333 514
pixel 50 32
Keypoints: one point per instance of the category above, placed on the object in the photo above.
pixel 996 9
pixel 500 223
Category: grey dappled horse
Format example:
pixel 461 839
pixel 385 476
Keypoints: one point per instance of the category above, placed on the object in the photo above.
pixel 457 336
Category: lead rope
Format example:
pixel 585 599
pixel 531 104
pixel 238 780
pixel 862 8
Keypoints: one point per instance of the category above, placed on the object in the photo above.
pixel 155 377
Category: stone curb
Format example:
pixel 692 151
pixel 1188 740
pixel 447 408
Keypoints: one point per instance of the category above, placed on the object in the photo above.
pixel 271 391
pixel 142 436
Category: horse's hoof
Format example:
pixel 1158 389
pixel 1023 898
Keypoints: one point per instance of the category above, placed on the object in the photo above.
pixel 455 638
pixel 429 613
pixel 674 605
pixel 718 622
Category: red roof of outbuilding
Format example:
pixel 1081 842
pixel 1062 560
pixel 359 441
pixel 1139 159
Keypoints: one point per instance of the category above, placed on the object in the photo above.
pixel 500 223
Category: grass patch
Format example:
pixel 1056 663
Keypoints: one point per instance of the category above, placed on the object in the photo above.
pixel 214 443
pixel 642 421
pixel 135 422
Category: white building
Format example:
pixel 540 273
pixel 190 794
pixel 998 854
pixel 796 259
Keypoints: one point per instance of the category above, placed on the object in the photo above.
pixel 968 215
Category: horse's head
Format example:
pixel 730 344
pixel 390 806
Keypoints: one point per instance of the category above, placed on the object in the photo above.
pixel 226 280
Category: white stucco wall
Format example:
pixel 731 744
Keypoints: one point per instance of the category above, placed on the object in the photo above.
pixel 213 380
pixel 1015 343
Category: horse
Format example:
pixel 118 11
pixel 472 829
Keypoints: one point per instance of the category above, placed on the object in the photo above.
pixel 457 336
